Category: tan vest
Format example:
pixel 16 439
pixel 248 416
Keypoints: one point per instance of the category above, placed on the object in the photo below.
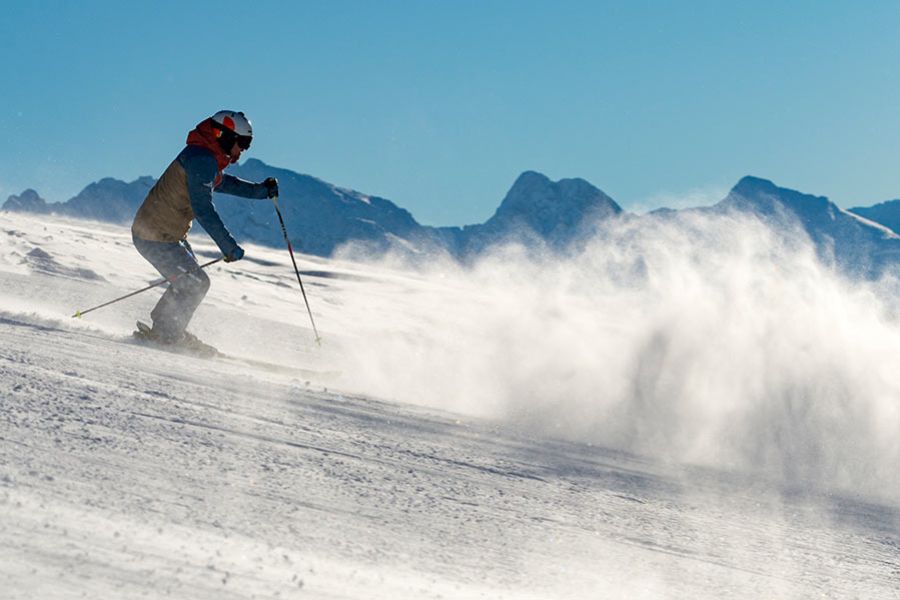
pixel 166 214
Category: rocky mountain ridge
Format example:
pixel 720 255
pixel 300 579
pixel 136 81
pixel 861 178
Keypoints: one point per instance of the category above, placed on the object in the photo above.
pixel 536 211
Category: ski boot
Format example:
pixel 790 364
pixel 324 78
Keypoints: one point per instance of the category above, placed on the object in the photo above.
pixel 187 344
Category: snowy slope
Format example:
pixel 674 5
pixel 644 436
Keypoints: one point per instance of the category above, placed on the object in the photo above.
pixel 513 431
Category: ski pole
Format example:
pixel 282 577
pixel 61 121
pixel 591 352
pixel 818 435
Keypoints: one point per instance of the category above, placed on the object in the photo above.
pixel 296 270
pixel 173 278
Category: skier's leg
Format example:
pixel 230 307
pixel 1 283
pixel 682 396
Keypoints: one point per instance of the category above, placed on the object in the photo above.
pixel 174 310
pixel 176 307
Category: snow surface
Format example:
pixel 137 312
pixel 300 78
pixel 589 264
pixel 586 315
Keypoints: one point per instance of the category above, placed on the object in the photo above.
pixel 605 427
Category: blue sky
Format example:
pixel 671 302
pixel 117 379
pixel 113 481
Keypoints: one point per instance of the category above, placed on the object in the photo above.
pixel 439 106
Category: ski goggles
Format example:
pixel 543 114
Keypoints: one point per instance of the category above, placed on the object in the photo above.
pixel 243 141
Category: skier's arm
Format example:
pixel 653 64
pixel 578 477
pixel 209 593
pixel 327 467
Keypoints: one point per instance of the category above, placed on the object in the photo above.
pixel 240 187
pixel 201 171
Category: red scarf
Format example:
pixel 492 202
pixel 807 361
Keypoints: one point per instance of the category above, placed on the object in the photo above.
pixel 204 135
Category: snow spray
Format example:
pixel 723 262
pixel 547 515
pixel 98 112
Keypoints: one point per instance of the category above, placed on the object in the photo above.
pixel 701 338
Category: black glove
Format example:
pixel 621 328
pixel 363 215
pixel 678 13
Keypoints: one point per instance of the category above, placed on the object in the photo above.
pixel 236 254
pixel 271 187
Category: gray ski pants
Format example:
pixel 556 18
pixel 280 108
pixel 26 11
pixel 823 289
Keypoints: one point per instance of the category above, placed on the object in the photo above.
pixel 174 310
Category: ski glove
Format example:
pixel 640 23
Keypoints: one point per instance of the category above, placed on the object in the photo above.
pixel 271 187
pixel 236 254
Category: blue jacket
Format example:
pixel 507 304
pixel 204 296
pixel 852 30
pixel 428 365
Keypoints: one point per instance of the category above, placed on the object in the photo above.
pixel 185 192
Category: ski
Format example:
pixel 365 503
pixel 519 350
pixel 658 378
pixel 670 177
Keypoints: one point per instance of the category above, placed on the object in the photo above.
pixel 189 345
pixel 144 335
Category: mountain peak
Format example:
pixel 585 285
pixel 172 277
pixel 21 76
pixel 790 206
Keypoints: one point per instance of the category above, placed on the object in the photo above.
pixel 531 178
pixel 749 185
pixel 763 195
pixel 254 163
pixel 27 201
pixel 555 211
pixel 535 191
pixel 28 195
pixel 534 184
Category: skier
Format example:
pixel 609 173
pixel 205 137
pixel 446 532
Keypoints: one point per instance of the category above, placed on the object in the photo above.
pixel 184 192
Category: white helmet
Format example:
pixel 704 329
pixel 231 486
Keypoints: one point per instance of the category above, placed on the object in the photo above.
pixel 234 128
pixel 234 121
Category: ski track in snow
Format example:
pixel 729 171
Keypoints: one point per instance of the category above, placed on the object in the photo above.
pixel 127 472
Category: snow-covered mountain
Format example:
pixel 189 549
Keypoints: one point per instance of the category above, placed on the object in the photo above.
pixel 28 201
pixel 321 217
pixel 109 200
pixel 853 244
pixel 536 212
pixel 885 213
